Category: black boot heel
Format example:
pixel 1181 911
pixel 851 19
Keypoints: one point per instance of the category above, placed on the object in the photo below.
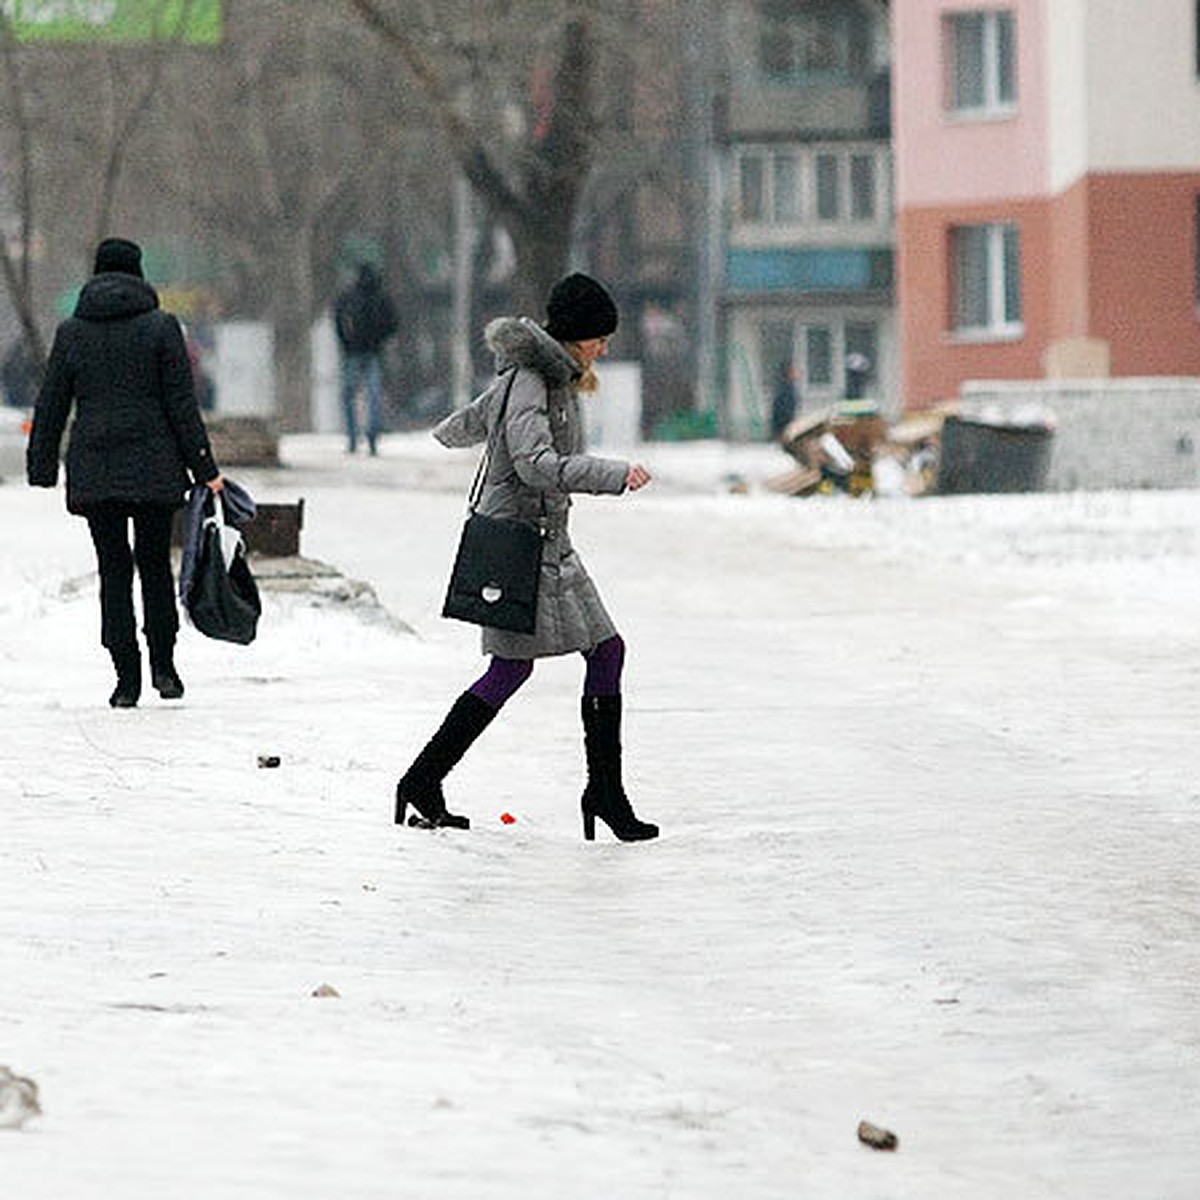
pixel 429 807
pixel 607 800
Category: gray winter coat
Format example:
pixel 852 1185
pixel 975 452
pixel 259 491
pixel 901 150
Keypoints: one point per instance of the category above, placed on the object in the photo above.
pixel 537 462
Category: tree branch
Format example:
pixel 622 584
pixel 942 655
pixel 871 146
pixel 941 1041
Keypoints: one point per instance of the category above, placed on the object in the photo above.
pixel 472 156
pixel 18 277
pixel 128 124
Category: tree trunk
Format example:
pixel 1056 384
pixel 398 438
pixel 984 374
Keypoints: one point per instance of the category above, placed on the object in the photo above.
pixel 542 251
pixel 292 318
pixel 293 375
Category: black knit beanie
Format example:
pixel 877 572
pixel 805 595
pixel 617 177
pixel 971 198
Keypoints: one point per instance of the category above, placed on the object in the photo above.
pixel 117 254
pixel 579 308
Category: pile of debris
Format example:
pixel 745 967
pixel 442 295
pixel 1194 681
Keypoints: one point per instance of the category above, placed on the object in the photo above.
pixel 849 448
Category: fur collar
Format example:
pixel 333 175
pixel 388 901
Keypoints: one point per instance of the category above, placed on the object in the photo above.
pixel 522 342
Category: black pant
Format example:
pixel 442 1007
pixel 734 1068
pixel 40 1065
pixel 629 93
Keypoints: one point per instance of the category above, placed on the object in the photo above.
pixel 151 553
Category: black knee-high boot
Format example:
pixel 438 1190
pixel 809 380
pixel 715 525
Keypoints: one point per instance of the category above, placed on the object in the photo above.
pixel 604 796
pixel 421 784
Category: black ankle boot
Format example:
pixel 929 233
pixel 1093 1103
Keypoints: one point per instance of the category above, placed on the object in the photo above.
pixel 421 785
pixel 604 796
pixel 128 663
pixel 163 675
pixel 167 683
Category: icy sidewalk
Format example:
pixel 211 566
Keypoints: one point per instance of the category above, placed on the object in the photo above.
pixel 931 817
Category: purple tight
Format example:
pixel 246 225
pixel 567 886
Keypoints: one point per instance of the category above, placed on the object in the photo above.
pixel 604 666
pixel 505 675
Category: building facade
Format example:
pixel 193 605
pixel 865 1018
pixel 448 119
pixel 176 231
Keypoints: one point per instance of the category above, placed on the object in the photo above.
pixel 805 268
pixel 1047 190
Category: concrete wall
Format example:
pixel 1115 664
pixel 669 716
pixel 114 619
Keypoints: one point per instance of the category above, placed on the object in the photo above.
pixel 612 417
pixel 1118 433
pixel 1143 105
pixel 244 368
pixel 1066 98
pixel 326 379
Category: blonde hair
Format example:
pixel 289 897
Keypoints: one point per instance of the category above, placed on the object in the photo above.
pixel 589 381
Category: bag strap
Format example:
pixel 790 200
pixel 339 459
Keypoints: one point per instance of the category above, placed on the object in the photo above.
pixel 213 506
pixel 485 460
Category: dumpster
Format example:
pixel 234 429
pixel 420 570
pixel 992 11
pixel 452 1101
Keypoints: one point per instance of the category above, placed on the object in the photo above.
pixel 986 456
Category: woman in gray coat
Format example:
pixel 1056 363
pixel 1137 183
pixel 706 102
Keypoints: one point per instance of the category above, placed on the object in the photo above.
pixel 537 462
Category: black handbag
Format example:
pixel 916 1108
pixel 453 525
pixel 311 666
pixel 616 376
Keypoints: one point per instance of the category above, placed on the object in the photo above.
pixel 499 562
pixel 223 602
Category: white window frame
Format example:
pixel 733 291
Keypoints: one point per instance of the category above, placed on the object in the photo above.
pixel 839 183
pixel 763 160
pixel 873 189
pixel 847 33
pixel 993 103
pixel 776 201
pixel 833 326
pixel 827 330
pixel 997 325
pixel 806 158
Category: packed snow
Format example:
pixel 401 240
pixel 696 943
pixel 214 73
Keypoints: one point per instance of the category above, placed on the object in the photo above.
pixel 927 778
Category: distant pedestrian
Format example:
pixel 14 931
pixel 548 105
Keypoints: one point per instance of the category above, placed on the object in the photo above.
pixel 858 374
pixel 784 400
pixel 537 461
pixel 136 443
pixel 18 375
pixel 364 318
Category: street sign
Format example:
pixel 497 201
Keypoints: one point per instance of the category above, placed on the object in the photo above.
pixel 194 21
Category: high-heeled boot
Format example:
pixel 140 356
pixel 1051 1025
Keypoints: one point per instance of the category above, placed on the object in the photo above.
pixel 421 784
pixel 128 662
pixel 604 796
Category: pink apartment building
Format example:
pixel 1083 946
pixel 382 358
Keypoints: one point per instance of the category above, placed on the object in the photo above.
pixel 1047 158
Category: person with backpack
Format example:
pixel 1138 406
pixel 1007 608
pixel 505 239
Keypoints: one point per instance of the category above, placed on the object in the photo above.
pixel 364 318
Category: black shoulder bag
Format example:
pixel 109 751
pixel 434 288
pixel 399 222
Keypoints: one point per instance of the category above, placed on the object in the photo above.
pixel 499 561
pixel 223 601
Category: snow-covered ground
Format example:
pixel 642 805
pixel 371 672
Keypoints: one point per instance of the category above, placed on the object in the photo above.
pixel 927 778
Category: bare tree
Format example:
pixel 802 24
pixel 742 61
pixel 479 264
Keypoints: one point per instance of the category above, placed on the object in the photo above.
pixel 40 133
pixel 123 121
pixel 531 180
pixel 16 253
pixel 290 145
pixel 265 156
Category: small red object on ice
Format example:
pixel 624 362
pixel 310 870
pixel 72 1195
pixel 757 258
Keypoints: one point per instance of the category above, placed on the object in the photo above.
pixel 508 818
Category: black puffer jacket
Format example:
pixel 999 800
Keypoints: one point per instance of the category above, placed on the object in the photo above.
pixel 121 361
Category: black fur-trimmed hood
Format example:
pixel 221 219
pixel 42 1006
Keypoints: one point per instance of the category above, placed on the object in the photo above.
pixel 522 342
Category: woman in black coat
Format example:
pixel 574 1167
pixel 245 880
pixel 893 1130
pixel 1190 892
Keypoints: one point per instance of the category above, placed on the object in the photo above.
pixel 136 445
